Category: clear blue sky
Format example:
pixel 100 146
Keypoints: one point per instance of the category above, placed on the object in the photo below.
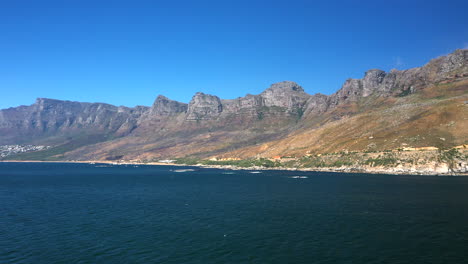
pixel 128 52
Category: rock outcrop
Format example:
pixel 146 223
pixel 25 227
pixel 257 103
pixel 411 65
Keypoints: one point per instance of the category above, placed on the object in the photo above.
pixel 248 104
pixel 316 104
pixel 400 83
pixel 372 81
pixel 47 117
pixel 204 107
pixel 285 94
pixel 164 106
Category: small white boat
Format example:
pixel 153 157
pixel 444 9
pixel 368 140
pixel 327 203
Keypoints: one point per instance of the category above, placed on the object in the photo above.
pixel 184 170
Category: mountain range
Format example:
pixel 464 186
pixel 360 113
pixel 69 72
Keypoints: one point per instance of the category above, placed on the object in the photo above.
pixel 419 107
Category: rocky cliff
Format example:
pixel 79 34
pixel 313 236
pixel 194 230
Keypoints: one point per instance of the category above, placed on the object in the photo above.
pixel 377 82
pixel 285 94
pixel 54 118
pixel 164 106
pixel 204 107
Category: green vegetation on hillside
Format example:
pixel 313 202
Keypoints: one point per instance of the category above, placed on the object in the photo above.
pixel 238 163
pixel 455 160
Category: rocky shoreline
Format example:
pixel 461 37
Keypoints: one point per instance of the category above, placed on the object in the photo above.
pixel 381 170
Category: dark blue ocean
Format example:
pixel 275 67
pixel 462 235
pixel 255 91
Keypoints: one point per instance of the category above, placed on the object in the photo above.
pixel 83 213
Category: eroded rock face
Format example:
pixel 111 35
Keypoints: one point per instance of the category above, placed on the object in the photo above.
pixel 49 116
pixel 285 94
pixel 247 104
pixel 317 104
pixel 350 91
pixel 204 107
pixel 396 82
pixel 451 66
pixel 288 95
pixel 372 80
pixel 164 106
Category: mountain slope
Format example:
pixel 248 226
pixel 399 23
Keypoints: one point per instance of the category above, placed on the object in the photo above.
pixel 425 106
pixel 437 116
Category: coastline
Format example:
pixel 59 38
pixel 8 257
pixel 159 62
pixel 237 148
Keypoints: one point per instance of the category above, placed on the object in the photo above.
pixel 347 170
pixel 350 170
pixel 94 162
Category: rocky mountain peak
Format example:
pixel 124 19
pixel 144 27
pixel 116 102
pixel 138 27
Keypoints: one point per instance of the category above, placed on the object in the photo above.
pixel 372 79
pixel 164 106
pixel 42 103
pixel 204 107
pixel 374 75
pixel 285 94
pixel 452 65
pixel 446 68
pixel 286 86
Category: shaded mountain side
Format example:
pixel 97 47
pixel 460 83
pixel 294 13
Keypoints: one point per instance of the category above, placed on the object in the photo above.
pixel 52 122
pixel 383 110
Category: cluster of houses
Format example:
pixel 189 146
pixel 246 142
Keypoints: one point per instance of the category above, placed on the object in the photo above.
pixel 7 150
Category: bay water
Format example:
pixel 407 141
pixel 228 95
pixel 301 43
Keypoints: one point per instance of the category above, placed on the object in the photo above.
pixel 101 213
